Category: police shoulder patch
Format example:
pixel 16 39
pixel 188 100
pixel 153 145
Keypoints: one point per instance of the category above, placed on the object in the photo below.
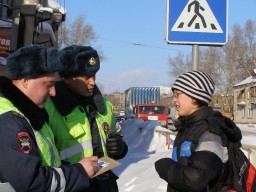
pixel 105 127
pixel 24 142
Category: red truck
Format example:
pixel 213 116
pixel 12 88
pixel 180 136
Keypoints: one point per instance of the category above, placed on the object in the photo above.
pixel 152 111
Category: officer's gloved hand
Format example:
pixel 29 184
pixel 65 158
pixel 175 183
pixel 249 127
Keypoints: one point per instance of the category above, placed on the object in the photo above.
pixel 116 147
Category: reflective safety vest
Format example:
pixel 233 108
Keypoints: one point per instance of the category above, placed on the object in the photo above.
pixel 48 151
pixel 73 133
pixel 44 137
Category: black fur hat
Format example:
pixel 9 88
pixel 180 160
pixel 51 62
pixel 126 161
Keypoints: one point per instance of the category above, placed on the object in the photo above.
pixel 79 61
pixel 32 61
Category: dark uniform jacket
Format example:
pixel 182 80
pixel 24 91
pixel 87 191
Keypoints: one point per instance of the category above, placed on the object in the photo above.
pixel 199 164
pixel 22 166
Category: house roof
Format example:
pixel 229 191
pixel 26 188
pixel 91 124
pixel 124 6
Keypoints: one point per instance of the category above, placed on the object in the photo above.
pixel 248 80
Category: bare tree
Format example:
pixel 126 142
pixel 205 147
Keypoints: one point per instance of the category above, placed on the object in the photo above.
pixel 76 32
pixel 250 36
pixel 210 62
pixel 240 52
pixel 227 65
pixel 179 64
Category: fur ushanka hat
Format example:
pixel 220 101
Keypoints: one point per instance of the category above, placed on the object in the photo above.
pixel 32 61
pixel 79 61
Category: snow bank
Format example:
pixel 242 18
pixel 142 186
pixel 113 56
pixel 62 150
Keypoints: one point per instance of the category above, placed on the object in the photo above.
pixel 137 172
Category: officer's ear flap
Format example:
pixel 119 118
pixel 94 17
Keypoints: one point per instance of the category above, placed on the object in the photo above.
pixel 67 80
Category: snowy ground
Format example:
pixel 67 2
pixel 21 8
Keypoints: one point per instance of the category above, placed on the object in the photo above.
pixel 137 172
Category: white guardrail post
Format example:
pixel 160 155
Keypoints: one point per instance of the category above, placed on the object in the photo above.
pixel 250 151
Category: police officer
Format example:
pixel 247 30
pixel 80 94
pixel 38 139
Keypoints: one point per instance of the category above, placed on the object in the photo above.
pixel 29 158
pixel 81 118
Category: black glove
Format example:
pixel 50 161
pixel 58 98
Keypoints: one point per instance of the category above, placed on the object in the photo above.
pixel 163 166
pixel 116 147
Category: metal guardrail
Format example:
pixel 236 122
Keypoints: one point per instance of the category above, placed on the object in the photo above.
pixel 249 150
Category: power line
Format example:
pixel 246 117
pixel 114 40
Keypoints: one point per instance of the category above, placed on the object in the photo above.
pixel 141 44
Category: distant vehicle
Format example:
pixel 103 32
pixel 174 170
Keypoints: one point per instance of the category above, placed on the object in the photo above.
pixel 170 122
pixel 140 95
pixel 223 112
pixel 121 113
pixel 152 111
pixel 120 119
pixel 217 108
pixel 130 116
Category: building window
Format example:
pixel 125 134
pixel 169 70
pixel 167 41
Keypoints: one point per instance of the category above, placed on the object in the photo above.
pixel 252 91
pixel 250 113
pixel 240 94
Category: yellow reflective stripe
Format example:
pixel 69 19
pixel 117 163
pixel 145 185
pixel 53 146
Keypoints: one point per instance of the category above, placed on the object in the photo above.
pixel 103 142
pixel 55 181
pixel 118 128
pixel 69 152
pixel 50 145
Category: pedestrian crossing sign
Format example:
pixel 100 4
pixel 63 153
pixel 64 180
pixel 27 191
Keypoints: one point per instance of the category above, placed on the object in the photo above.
pixel 196 22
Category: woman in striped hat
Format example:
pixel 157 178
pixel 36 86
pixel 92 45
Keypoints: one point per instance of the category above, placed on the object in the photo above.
pixel 200 155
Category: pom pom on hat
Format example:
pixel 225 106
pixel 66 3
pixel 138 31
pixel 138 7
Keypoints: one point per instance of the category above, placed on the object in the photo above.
pixel 196 84
pixel 79 61
pixel 32 61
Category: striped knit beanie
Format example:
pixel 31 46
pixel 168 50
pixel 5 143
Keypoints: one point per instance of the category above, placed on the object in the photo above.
pixel 196 84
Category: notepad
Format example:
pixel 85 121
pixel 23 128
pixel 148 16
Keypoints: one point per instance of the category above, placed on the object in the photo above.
pixel 105 164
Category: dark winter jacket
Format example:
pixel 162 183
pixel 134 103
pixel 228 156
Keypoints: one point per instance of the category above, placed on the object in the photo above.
pixel 199 164
pixel 23 168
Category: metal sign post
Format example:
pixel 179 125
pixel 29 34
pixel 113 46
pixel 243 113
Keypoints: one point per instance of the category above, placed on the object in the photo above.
pixel 195 57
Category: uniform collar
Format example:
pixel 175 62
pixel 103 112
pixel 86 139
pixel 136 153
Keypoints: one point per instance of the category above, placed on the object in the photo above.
pixel 35 114
pixel 66 100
